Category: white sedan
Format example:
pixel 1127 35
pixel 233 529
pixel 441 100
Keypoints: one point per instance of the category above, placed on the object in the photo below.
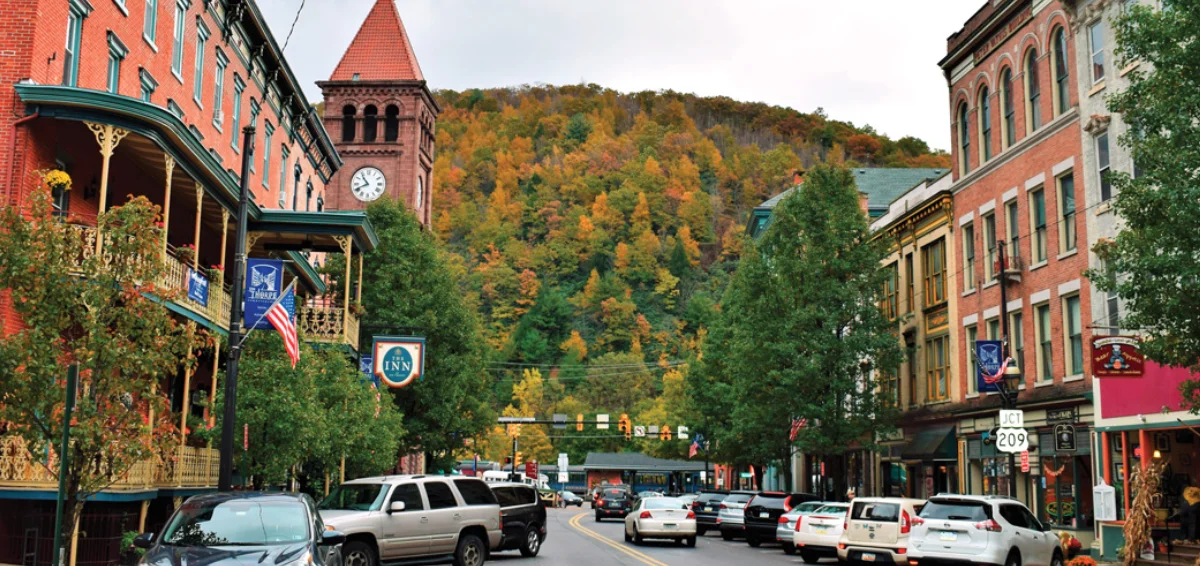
pixel 817 534
pixel 661 517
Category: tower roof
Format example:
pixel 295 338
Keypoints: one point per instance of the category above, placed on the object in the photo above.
pixel 381 50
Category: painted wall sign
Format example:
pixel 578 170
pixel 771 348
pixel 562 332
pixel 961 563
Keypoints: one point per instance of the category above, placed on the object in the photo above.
pixel 1117 356
pixel 264 282
pixel 1062 416
pixel 197 288
pixel 398 360
pixel 990 358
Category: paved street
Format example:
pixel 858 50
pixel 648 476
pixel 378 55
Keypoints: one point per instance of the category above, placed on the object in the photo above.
pixel 576 539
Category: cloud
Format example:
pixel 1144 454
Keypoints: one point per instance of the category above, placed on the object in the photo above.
pixel 867 62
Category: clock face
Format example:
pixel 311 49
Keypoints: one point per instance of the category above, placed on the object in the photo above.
pixel 368 184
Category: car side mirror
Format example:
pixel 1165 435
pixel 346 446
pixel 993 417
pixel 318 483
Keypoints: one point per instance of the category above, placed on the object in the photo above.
pixel 144 540
pixel 332 538
pixel 396 507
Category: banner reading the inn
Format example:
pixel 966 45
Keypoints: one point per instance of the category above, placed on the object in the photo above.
pixel 399 359
pixel 264 282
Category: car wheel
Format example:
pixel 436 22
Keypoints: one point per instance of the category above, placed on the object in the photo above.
pixel 597 517
pixel 809 557
pixel 628 537
pixel 726 536
pixel 1014 558
pixel 637 537
pixel 470 551
pixel 1057 560
pixel 358 553
pixel 789 548
pixel 701 530
pixel 532 543
pixel 753 541
pixel 691 542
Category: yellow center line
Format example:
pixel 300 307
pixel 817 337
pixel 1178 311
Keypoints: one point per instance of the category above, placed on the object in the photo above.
pixel 574 522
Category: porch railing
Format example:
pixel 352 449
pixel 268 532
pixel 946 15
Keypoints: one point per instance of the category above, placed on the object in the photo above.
pixel 187 467
pixel 324 323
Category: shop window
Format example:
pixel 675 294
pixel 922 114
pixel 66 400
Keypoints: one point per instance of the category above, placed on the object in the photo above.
pixel 1066 498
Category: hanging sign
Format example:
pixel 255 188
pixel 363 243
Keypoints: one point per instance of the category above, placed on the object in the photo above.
pixel 1025 461
pixel 197 288
pixel 366 365
pixel 398 360
pixel 989 355
pixel 1117 356
pixel 264 282
pixel 1064 438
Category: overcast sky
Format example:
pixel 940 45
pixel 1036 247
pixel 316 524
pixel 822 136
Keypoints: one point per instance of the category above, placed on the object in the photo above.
pixel 866 61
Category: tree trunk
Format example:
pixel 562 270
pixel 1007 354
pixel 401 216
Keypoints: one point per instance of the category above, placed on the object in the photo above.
pixel 787 470
pixel 72 510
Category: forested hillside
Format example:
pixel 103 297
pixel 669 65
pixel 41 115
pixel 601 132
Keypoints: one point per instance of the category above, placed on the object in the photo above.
pixel 596 231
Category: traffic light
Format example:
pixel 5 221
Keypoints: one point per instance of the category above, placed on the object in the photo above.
pixel 579 422
pixel 623 426
pixel 517 462
pixel 665 433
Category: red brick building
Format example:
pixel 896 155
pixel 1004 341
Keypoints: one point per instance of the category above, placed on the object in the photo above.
pixel 379 110
pixel 1018 183
pixel 148 98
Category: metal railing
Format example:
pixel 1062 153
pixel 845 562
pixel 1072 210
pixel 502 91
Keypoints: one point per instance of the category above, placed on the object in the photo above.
pixel 324 323
pixel 186 466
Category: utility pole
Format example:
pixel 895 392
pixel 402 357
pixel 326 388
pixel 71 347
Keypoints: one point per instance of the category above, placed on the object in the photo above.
pixel 513 475
pixel 1008 395
pixel 225 480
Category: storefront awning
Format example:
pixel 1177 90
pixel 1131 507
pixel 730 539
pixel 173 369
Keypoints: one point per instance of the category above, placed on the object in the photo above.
pixel 934 443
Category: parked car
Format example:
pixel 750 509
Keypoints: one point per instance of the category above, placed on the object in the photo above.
pixel 787 524
pixel 731 517
pixel 877 530
pixel 231 529
pixel 763 511
pixel 648 494
pixel 706 507
pixel 661 517
pixel 981 530
pixel 414 518
pixel 569 499
pixel 523 518
pixel 688 498
pixel 817 534
pixel 614 501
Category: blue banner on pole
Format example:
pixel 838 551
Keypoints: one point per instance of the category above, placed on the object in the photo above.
pixel 366 364
pixel 197 287
pixel 264 282
pixel 990 357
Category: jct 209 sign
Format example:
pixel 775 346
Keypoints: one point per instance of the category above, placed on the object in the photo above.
pixel 1117 356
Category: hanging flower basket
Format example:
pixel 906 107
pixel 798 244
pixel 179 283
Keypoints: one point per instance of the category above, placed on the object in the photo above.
pixel 186 253
pixel 57 180
pixel 216 274
pixel 357 310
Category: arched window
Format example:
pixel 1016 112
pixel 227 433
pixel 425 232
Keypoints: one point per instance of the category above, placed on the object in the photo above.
pixel 369 124
pixel 349 122
pixel 1009 134
pixel 1033 93
pixel 391 123
pixel 1062 98
pixel 985 125
pixel 964 141
pixel 420 200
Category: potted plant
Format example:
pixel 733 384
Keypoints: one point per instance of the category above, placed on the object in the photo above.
pixel 216 274
pixel 57 180
pixel 357 309
pixel 186 253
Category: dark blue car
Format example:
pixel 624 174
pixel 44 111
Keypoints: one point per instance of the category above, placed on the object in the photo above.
pixel 240 529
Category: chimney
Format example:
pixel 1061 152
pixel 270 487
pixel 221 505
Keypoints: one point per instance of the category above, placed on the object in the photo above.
pixel 863 203
pixel 797 176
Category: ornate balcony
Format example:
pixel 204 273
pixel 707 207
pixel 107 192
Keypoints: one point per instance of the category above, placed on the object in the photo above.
pixel 327 324
pixel 186 467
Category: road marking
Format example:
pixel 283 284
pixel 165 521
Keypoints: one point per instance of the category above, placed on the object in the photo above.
pixel 645 559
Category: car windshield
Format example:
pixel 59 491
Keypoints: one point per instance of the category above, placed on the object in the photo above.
pixel 955 511
pixel 737 498
pixel 614 493
pixel 831 510
pixel 355 497
pixel 662 503
pixel 806 508
pixel 238 522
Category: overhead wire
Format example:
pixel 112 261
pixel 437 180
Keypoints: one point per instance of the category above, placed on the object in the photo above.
pixel 293 28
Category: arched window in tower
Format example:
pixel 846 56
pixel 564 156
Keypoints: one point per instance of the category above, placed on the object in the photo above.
pixel 420 200
pixel 1008 135
pixel 985 125
pixel 1062 76
pixel 964 141
pixel 370 114
pixel 1033 93
pixel 391 123
pixel 349 122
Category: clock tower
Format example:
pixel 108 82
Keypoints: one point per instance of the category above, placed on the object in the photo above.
pixel 381 116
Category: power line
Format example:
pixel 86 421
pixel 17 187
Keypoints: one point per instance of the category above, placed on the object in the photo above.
pixel 293 28
pixel 585 366
pixel 580 377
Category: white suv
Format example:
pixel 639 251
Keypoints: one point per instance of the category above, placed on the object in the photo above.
pixel 877 530
pixel 972 529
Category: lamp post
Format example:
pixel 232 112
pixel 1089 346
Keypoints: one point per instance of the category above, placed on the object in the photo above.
pixel 1011 384
pixel 225 479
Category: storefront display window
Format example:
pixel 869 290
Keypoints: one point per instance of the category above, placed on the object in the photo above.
pixel 1066 483
pixel 996 476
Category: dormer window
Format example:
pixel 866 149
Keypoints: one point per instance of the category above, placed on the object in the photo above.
pixel 355 77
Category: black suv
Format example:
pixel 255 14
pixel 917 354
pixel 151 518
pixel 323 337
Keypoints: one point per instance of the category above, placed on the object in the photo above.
pixel 522 518
pixel 763 512
pixel 706 507
pixel 614 501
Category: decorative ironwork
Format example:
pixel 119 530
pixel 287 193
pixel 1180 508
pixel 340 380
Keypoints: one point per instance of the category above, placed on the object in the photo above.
pixel 107 136
pixel 327 325
pixel 187 467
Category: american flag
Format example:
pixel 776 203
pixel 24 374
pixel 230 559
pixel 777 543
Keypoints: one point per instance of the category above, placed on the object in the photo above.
pixel 797 424
pixel 280 316
pixel 695 447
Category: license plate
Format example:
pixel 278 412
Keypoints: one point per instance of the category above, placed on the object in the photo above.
pixel 708 509
pixel 764 515
pixel 868 557
pixel 949 536
pixel 615 505
pixel 669 525
pixel 820 531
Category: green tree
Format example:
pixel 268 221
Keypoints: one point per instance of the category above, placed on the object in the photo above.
pixel 408 287
pixel 1155 254
pixel 801 323
pixel 102 312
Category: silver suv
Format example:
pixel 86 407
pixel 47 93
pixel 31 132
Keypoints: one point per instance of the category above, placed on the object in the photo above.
pixel 396 519
pixel 981 530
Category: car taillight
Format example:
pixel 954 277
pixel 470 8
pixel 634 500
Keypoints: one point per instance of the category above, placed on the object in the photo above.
pixel 917 521
pixel 724 506
pixel 599 502
pixel 901 550
pixel 989 525
pixel 751 502
pixel 695 505
pixel 787 504
pixel 644 515
pixel 691 515
pixel 845 525
pixel 905 527
pixel 799 521
pixel 783 520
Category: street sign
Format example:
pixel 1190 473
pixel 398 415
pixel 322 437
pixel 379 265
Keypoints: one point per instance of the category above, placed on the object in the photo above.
pixel 682 432
pixel 1012 440
pixel 562 477
pixel 745 475
pixel 1012 419
pixel 399 359
pixel 531 469
pixel 563 461
pixel 503 420
pixel 560 420
pixel 652 429
pixel 989 355
pixel 1064 438
pixel 601 422
pixel 639 431
pixel 1025 461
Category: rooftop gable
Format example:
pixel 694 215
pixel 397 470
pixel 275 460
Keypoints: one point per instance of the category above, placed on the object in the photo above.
pixel 381 50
